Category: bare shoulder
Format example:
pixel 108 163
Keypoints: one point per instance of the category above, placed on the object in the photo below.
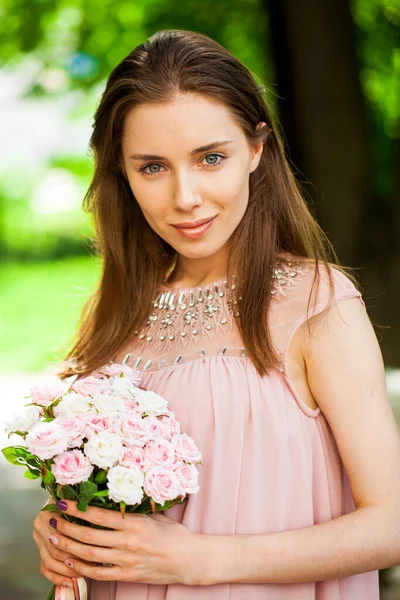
pixel 316 305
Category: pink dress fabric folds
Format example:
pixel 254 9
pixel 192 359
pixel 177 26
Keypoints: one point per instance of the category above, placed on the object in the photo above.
pixel 271 463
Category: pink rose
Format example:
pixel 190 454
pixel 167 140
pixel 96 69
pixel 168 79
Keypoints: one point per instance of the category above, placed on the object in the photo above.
pixel 188 476
pixel 89 386
pixel 48 391
pixel 162 485
pixel 134 456
pixel 116 369
pixel 160 452
pixel 96 424
pixel 46 440
pixel 132 430
pixel 172 425
pixel 71 467
pixel 75 428
pixel 186 449
pixel 157 427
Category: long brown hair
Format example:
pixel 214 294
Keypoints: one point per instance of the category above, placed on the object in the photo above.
pixel 135 259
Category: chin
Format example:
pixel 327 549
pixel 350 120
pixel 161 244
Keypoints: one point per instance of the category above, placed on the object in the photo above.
pixel 205 251
pixel 199 254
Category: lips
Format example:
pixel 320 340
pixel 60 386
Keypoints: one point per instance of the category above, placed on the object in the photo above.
pixel 195 229
pixel 193 224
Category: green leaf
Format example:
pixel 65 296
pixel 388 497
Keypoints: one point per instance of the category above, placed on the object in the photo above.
pixel 49 507
pixel 165 506
pixel 103 500
pixel 32 474
pixel 16 455
pixel 34 463
pixel 100 494
pixel 56 402
pixel 82 505
pixel 52 594
pixel 69 493
pixel 87 489
pixel 48 476
pixel 101 476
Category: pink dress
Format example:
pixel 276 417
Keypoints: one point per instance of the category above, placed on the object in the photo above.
pixel 271 463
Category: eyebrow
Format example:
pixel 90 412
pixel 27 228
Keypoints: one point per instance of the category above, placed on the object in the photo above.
pixel 192 152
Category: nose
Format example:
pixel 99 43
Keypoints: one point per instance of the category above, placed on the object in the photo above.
pixel 186 193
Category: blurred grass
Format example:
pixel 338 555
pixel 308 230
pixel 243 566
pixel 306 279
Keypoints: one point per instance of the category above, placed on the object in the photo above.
pixel 40 305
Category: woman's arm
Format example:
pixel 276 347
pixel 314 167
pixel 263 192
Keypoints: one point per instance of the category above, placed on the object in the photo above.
pixel 363 540
pixel 346 376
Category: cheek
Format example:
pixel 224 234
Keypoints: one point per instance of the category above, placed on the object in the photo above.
pixel 232 187
pixel 153 210
pixel 233 196
pixel 155 214
pixel 153 200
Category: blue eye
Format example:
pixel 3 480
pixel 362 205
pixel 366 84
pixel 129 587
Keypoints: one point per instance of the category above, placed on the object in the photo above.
pixel 142 169
pixel 211 165
pixel 221 156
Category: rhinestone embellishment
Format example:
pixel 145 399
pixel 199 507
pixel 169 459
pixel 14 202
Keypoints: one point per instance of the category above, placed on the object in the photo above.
pixel 191 314
pixel 284 276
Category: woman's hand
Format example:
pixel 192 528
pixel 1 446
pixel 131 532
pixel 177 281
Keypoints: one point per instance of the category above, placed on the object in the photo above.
pixel 138 548
pixel 52 559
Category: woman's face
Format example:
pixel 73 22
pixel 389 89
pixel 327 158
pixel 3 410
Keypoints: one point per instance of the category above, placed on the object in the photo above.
pixel 187 160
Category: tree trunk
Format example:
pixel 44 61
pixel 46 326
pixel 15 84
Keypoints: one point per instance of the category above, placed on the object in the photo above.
pixel 387 271
pixel 322 112
pixel 321 109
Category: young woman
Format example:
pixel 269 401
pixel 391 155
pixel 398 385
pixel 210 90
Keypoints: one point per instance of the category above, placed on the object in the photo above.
pixel 217 280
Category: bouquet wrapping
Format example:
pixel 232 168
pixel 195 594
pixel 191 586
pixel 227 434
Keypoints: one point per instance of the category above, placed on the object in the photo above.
pixel 102 440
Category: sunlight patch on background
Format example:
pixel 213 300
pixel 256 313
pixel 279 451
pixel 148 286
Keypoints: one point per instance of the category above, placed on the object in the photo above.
pixel 37 128
pixel 57 191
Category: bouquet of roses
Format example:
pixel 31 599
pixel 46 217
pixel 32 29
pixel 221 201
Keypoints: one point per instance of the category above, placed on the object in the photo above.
pixel 102 440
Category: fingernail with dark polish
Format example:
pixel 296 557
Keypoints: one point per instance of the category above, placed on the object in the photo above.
pixel 61 505
pixel 53 523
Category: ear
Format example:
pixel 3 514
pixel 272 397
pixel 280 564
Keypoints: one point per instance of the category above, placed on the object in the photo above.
pixel 257 150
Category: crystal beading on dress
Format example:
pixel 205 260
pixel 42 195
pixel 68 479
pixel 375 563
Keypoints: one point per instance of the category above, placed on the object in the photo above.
pixel 195 313
pixel 186 315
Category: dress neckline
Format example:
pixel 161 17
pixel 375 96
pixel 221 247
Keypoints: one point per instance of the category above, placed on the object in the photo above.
pixel 178 290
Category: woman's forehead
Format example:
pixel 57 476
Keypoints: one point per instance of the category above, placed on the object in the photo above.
pixel 194 124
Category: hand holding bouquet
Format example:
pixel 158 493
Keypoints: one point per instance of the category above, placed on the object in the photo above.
pixel 103 441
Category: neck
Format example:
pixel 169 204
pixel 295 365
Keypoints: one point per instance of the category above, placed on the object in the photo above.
pixel 194 272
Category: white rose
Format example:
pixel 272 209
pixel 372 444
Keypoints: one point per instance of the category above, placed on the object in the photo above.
pixel 123 387
pixel 72 405
pixel 151 403
pixel 23 421
pixel 103 449
pixel 125 484
pixel 106 404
